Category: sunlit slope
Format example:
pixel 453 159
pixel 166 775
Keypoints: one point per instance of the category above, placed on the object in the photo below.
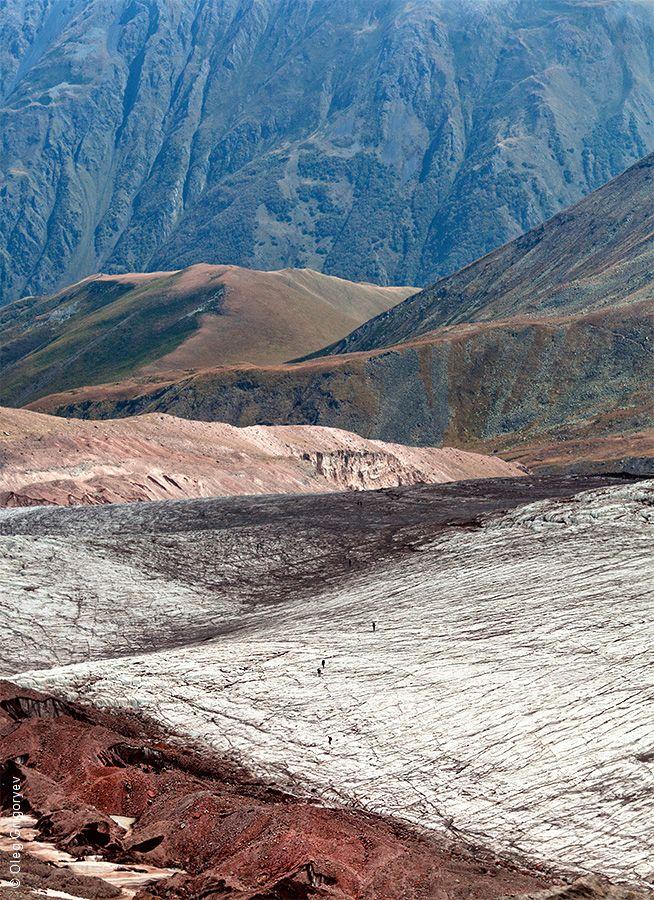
pixel 113 326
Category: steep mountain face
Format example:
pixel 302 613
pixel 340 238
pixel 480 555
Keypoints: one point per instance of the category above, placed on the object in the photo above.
pixel 387 141
pixel 596 256
pixel 175 322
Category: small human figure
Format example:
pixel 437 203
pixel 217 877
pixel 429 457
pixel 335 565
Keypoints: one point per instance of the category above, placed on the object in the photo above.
pixel 329 738
pixel 323 663
pixel 374 626
pixel 319 670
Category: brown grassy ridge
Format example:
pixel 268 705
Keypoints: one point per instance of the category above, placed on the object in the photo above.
pixel 110 327
pixel 504 384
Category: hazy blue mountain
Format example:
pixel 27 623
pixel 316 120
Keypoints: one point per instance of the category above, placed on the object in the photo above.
pixel 384 140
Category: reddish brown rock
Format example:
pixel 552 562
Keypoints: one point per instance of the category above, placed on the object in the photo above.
pixel 230 834
pixel 46 459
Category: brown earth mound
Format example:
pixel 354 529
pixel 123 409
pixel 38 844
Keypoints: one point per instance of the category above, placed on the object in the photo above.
pixel 266 316
pixel 45 459
pixel 110 326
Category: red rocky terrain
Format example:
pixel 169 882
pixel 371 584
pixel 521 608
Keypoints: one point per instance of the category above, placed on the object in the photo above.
pixel 112 785
pixel 228 834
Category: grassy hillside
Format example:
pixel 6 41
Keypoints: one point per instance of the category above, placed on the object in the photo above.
pixel 502 385
pixel 109 327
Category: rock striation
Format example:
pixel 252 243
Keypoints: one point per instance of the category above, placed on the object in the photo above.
pixel 44 459
pixel 521 730
pixel 175 822
pixel 389 142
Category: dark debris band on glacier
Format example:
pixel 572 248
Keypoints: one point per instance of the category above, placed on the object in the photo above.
pixel 507 691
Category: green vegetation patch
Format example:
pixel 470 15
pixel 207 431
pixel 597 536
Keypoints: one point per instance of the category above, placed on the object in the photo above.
pixel 101 332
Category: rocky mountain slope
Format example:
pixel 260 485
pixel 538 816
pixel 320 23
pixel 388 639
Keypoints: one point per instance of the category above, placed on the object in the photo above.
pixel 150 780
pixel 543 350
pixel 514 730
pixel 174 323
pixel 50 460
pixel 597 256
pixel 381 141
pixel 527 387
pixel 133 795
